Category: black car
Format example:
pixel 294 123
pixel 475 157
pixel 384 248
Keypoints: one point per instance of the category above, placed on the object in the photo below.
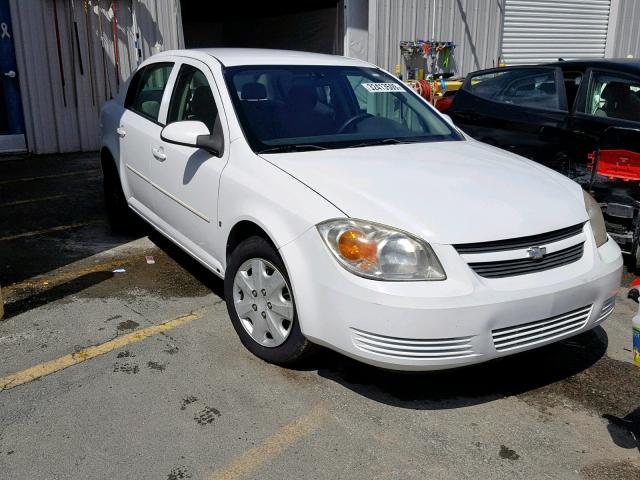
pixel 581 118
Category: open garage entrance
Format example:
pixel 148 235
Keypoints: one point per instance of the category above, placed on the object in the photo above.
pixel 312 26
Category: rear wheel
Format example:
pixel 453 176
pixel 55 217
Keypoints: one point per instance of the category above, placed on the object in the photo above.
pixel 121 218
pixel 261 305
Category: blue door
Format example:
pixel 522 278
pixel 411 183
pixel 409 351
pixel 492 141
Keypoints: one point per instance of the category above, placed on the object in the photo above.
pixel 11 120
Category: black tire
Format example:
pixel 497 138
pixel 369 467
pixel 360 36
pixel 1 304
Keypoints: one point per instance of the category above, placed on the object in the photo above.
pixel 121 218
pixel 633 262
pixel 296 347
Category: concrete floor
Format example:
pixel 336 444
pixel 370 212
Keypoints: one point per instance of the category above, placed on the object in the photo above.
pixel 188 401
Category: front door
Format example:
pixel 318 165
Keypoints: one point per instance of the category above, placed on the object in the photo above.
pixel 606 99
pixel 187 178
pixel 11 121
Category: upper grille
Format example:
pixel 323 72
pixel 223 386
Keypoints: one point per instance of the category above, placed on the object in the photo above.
pixel 523 266
pixel 520 243
pixel 532 333
pixel 437 348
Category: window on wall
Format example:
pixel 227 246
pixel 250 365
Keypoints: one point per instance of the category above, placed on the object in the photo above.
pixel 613 95
pixel 144 95
pixel 527 87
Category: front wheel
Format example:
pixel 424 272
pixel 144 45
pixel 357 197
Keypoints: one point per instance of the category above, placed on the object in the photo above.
pixel 261 304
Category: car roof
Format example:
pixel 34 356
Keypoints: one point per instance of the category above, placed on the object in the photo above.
pixel 629 65
pixel 231 57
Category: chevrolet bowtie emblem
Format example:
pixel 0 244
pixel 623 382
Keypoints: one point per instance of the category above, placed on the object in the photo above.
pixel 536 253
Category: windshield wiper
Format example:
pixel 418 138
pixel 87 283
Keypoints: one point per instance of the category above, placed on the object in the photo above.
pixel 292 148
pixel 388 141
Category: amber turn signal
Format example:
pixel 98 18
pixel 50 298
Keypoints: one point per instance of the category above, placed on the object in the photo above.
pixel 354 246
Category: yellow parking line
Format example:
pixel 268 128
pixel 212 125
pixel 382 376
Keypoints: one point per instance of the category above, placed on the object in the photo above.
pixel 35 233
pixel 30 200
pixel 253 459
pixel 61 363
pixel 94 171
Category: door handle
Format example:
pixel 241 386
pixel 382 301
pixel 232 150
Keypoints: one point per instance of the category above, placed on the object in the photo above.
pixel 121 132
pixel 158 152
pixel 10 74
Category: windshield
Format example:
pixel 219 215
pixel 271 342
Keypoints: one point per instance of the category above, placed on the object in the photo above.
pixel 294 108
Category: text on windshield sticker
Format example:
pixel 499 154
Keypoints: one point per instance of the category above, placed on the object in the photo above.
pixel 382 87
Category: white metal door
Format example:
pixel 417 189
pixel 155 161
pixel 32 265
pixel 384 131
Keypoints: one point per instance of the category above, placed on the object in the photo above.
pixel 537 31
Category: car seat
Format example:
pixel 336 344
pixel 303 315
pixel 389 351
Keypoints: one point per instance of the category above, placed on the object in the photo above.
pixel 259 110
pixel 302 117
pixel 203 107
pixel 619 102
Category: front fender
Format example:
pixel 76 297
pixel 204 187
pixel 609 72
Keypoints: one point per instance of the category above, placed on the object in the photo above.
pixel 252 189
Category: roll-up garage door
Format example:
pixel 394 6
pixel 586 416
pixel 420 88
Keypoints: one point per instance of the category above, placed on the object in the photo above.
pixel 538 31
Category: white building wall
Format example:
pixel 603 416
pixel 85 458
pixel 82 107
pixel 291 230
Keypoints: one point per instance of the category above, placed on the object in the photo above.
pixel 473 25
pixel 627 31
pixel 68 122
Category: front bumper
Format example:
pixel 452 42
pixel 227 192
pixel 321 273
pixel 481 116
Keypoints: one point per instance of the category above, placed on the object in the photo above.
pixel 463 320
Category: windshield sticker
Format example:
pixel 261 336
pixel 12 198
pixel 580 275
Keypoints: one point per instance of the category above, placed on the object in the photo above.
pixel 382 87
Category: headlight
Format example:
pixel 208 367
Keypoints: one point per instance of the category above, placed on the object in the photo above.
pixel 379 252
pixel 596 219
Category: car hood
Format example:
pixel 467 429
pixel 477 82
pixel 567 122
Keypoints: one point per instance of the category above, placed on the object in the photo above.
pixel 444 192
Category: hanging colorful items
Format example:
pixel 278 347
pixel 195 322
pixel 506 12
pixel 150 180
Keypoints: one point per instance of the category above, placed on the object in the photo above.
pixel 426 65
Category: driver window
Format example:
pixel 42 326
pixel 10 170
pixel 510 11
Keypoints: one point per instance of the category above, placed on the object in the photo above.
pixel 193 99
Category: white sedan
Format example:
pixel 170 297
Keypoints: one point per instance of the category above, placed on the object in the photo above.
pixel 342 210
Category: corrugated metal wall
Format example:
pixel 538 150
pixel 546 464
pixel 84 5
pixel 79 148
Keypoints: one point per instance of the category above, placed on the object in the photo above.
pixel 473 25
pixel 68 122
pixel 627 40
pixel 538 31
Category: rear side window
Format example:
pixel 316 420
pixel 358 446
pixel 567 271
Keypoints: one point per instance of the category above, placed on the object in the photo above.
pixel 613 95
pixel 527 87
pixel 146 89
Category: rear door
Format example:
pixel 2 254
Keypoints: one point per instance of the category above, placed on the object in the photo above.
pixel 139 131
pixel 522 109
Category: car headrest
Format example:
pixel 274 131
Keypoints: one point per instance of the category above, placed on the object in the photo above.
pixel 615 91
pixel 253 91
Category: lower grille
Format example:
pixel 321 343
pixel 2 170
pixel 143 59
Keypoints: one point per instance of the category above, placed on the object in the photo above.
pixel 607 309
pixel 532 333
pixel 523 266
pixel 440 348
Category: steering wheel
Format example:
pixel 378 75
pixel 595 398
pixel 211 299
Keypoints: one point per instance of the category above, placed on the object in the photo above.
pixel 353 120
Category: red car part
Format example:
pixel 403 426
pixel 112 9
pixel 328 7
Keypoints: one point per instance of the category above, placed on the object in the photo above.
pixel 622 164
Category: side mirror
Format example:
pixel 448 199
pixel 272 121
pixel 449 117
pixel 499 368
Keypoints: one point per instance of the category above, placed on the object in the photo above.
pixel 191 133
